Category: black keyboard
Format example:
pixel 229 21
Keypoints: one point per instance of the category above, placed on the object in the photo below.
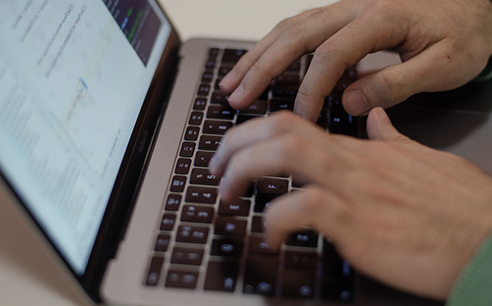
pixel 204 244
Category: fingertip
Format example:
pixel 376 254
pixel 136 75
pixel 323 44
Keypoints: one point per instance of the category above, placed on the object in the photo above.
pixel 236 95
pixel 379 126
pixel 307 110
pixel 355 103
pixel 228 83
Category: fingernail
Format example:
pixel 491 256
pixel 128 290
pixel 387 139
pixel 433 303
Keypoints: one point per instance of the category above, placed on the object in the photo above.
pixel 237 94
pixel 356 103
pixel 383 116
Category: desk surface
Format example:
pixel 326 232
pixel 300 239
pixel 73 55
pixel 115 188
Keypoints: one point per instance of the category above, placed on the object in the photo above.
pixel 28 275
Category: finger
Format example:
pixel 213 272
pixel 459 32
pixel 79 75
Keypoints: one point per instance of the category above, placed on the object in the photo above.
pixel 366 34
pixel 313 207
pixel 379 127
pixel 234 77
pixel 282 154
pixel 299 35
pixel 434 69
pixel 258 130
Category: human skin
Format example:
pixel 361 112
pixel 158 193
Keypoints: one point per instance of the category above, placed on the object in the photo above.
pixel 442 43
pixel 402 213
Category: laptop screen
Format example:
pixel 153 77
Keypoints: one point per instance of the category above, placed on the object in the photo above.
pixel 73 77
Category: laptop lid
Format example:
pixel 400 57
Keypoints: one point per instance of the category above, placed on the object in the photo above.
pixel 79 107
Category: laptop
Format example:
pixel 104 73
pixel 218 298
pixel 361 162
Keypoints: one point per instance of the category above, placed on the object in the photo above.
pixel 107 124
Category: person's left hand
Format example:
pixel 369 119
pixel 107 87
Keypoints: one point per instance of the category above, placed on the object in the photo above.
pixel 400 212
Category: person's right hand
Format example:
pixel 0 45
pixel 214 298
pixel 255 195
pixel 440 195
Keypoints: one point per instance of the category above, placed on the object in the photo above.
pixel 443 45
pixel 402 213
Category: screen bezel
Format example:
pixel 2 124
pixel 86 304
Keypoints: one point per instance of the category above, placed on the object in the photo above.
pixel 130 174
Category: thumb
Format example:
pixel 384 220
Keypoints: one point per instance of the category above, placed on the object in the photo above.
pixel 379 127
pixel 428 71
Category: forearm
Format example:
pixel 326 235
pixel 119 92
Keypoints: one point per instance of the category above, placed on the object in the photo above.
pixel 475 283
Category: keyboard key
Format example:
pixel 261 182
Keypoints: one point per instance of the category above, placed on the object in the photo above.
pixel 257 224
pixel 338 116
pixel 221 276
pixel 262 202
pixel 231 56
pixel 260 275
pixel 203 177
pixel 228 226
pixel 207 76
pixel 203 195
pixel 196 213
pixel 200 104
pixel 196 118
pixel 192 133
pixel 213 52
pixel 278 105
pixel 217 83
pixel 183 166
pixel 239 207
pixel 187 256
pixel 224 112
pixel 210 64
pixel 230 247
pixel 178 183
pixel 192 234
pixel 257 245
pixel 181 279
pixel 216 127
pixel 154 272
pixel 259 108
pixel 271 186
pixel 203 90
pixel 173 202
pixel 298 283
pixel 297 184
pixel 209 142
pixel 299 259
pixel 167 222
pixel 249 191
pixel 337 289
pixel 202 158
pixel 187 149
pixel 303 239
pixel 323 119
pixel 162 243
pixel 219 97
pixel 287 80
pixel 223 71
pixel 333 265
pixel 284 93
pixel 243 118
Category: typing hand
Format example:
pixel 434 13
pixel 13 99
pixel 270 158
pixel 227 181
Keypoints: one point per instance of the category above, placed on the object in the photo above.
pixel 443 44
pixel 398 211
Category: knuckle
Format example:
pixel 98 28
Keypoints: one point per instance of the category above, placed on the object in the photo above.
pixel 292 143
pixel 393 85
pixel 277 123
pixel 332 53
pixel 382 5
pixel 316 198
pixel 284 24
pixel 312 200
pixel 259 68
pixel 319 13
pixel 328 51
